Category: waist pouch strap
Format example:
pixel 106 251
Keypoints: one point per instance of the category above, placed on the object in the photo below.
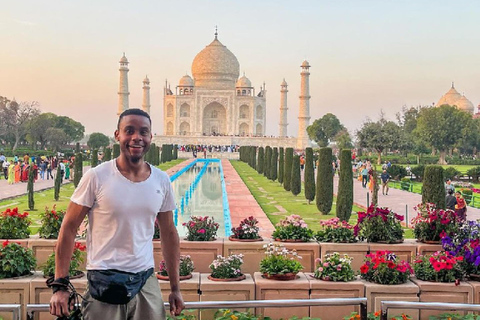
pixel 114 286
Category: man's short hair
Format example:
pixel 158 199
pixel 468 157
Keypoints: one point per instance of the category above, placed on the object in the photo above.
pixel 137 112
pixel 450 191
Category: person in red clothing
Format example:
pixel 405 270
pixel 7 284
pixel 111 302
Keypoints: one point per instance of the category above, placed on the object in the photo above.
pixel 461 206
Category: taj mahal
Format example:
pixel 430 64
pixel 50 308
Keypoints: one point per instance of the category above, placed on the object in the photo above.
pixel 218 107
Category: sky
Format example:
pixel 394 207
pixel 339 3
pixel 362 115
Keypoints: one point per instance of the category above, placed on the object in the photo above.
pixel 366 57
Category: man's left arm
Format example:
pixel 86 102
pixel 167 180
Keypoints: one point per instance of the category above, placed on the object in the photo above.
pixel 171 253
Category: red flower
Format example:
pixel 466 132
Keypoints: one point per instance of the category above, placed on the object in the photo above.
pixel 5 243
pixel 364 269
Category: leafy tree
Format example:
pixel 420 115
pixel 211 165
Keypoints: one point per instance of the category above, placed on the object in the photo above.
pixel 324 196
pixel 287 173
pixel 309 176
pixel 261 160
pixel 470 139
pixel 73 129
pixel 343 140
pixel 345 186
pixel 379 136
pixel 274 165
pixel 281 165
pixel 14 118
pixel 397 172
pixel 98 140
pixel 57 138
pixel 433 190
pixel 323 130
pixel 441 128
pixel 38 126
pixel 296 178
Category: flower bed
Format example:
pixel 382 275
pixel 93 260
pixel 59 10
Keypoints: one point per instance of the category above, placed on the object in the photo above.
pixel 201 228
pixel 227 267
pixel 334 230
pixel 292 228
pixel 438 267
pixel 280 261
pixel 379 225
pixel 14 225
pixel 334 268
pixel 382 267
pixel 432 224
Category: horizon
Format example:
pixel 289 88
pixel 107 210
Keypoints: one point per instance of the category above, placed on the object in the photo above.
pixel 367 57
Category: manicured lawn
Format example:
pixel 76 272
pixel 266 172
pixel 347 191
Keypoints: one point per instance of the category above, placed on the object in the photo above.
pixel 270 195
pixel 463 168
pixel 45 199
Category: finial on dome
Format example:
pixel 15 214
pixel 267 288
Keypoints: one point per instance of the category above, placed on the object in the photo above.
pixel 453 84
pixel 216 32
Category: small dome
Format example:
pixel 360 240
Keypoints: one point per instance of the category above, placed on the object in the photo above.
pixel 243 82
pixel 305 64
pixel 449 98
pixel 186 81
pixel 284 83
pixel 123 59
pixel 215 67
pixel 464 104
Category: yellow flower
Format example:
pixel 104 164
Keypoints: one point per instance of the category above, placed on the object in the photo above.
pixel 226 312
pixel 234 317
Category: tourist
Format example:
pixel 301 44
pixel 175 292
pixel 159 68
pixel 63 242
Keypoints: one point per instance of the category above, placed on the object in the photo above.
pixel 385 165
pixel 43 168
pixel 385 179
pixel 5 165
pixel 11 174
pixel 49 170
pixel 25 170
pixel 123 198
pixel 450 200
pixel 62 170
pixel 449 186
pixel 67 171
pixel 26 159
pixel 3 159
pixel 302 162
pixel 461 206
pixel 18 171
pixel 364 173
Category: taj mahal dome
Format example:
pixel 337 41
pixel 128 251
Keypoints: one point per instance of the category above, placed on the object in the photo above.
pixel 217 106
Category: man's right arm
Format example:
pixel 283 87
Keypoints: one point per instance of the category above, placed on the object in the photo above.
pixel 63 254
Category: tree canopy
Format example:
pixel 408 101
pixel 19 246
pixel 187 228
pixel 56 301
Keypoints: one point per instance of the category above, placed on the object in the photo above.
pixel 324 129
pixel 98 140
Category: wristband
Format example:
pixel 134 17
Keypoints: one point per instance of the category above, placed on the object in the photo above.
pixel 58 284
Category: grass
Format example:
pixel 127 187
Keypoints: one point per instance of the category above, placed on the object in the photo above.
pixel 45 199
pixel 270 194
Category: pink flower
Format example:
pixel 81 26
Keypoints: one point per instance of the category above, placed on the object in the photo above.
pixel 201 231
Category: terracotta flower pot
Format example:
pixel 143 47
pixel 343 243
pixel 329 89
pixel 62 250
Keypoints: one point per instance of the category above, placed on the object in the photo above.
pixel 166 278
pixel 242 277
pixel 281 277
pixel 232 238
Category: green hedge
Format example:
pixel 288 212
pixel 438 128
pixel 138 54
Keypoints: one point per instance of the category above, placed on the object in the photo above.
pixel 287 173
pixel 434 186
pixel 309 176
pixel 345 186
pixel 324 196
pixel 296 178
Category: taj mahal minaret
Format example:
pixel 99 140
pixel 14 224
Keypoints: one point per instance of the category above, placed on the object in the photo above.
pixel 283 110
pixel 123 87
pixel 304 109
pixel 146 95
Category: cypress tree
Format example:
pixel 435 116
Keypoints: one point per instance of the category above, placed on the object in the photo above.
pixel 281 165
pixel 253 157
pixel 175 152
pixel 157 155
pixel 309 176
pixel 116 150
pixel 94 158
pixel 31 178
pixel 268 161
pixel 150 155
pixel 170 152
pixel 58 182
pixel 108 154
pixel 78 167
pixel 77 147
pixel 287 173
pixel 345 186
pixel 433 186
pixel 274 165
pixel 375 186
pixel 324 196
pixel 261 160
pixel 296 180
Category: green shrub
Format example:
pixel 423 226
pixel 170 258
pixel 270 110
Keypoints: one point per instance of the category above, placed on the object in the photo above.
pixel 261 160
pixel 287 176
pixel 94 158
pixel 467 195
pixel 268 161
pixel 405 183
pixel 433 186
pixel 31 193
pixel 309 176
pixel 78 167
pixel 296 179
pixel 253 157
pixel 397 172
pixel 116 150
pixel 281 165
pixel 274 165
pixel 324 196
pixel 419 172
pixel 58 182
pixel 175 153
pixel 108 154
pixel 451 173
pixel 345 186
pixel 474 173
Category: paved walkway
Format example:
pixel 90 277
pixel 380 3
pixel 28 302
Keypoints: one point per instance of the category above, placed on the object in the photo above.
pixel 400 201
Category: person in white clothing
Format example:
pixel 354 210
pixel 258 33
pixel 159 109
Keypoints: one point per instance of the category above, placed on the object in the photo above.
pixel 122 198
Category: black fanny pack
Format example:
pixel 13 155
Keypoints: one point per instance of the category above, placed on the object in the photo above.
pixel 114 286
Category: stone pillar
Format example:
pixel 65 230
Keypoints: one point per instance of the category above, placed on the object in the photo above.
pixel 304 110
pixel 146 95
pixel 283 110
pixel 123 88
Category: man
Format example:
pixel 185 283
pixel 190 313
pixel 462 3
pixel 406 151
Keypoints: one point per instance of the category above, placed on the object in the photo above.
pixel 5 165
pixel 385 179
pixel 450 200
pixel 2 161
pixel 449 186
pixel 122 198
pixel 62 170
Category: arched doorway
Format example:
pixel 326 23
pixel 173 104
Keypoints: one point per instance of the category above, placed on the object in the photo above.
pixel 184 128
pixel 244 112
pixel 259 130
pixel 214 119
pixel 243 130
pixel 259 112
pixel 185 110
pixel 169 129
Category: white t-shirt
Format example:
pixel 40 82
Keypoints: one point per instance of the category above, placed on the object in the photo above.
pixel 122 216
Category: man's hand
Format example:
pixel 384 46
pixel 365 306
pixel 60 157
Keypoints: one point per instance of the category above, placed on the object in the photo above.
pixel 59 304
pixel 176 303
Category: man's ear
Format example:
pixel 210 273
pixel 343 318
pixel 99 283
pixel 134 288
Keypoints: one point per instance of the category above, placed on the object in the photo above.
pixel 115 134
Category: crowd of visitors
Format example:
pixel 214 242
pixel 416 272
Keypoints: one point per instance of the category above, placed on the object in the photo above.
pixel 16 169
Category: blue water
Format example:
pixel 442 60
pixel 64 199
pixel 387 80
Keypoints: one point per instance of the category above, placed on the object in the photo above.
pixel 200 191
